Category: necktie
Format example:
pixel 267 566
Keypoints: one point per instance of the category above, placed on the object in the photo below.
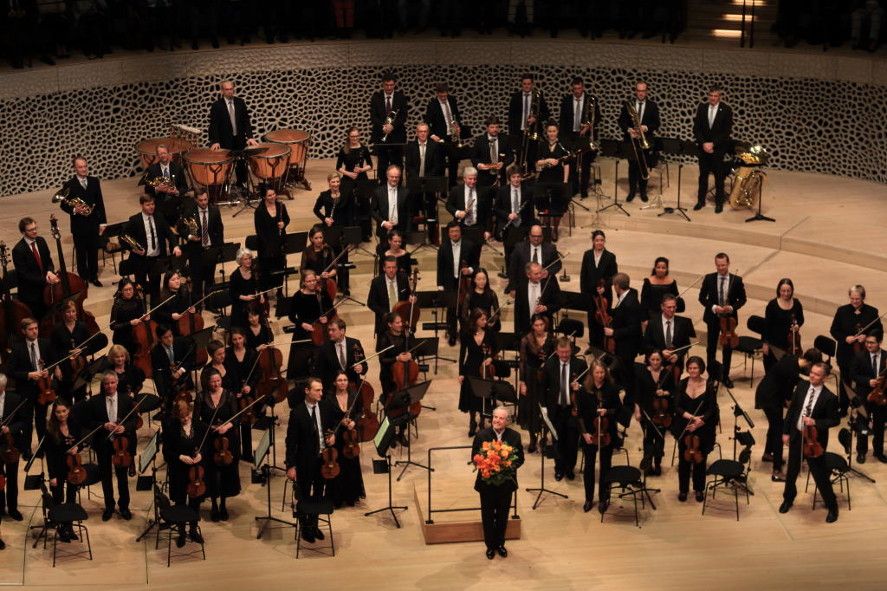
pixel 640 109
pixel 153 235
pixel 668 336
pixel 387 105
pixel 392 294
pixel 164 171
pixel 576 115
pixel 536 254
pixel 448 116
pixel 171 355
pixel 204 230
pixel 83 181
pixel 494 151
pixel 565 384
pixel 534 295
pixel 457 249
pixel 808 409
pixel 712 111
pixel 37 255
pixel 875 364
pixel 341 349
pixel 523 124
pixel 232 117
pixel 392 205
pixel 722 291
pixel 34 361
pixel 421 160
pixel 112 409
pixel 314 426
pixel 469 208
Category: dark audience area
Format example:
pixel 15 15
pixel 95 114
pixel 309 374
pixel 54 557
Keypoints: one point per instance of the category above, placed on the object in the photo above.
pixel 831 23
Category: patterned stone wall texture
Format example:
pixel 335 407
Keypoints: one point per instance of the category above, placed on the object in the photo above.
pixel 830 127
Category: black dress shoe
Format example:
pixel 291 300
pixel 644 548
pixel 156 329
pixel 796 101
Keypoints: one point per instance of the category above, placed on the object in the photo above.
pixel 587 506
pixel 318 534
pixel 126 514
pixel 881 458
pixel 2 544
pixel 682 497
pixel 699 496
pixel 223 514
pixel 308 536
pixel 214 515
pixel 832 516
pixel 97 283
pixel 558 476
pixel 472 429
pixel 785 506
pixel 603 505
pixel 106 514
pixel 195 536
pixel 776 477
pixel 452 341
pixel 728 382
pixel 657 471
pixel 719 207
pixel 767 458
pixel 490 553
pixel 180 541
pixel 15 514
pixel 630 198
pixel 571 475
pixel 644 197
pixel 699 205
pixel 860 458
pixel 501 551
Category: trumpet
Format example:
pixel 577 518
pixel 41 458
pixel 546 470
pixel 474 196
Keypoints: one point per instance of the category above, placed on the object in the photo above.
pixel 639 142
pixel 62 197
pixel 456 135
pixel 389 120
pixel 130 242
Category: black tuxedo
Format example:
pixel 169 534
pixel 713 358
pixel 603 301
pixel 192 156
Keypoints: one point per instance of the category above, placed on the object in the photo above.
pixel 482 154
pixel 523 308
pixel 589 277
pixel 18 424
pixel 863 372
pixel 165 240
pixel 495 500
pixel 303 452
pixel 30 276
pixel 650 118
pixel 560 414
pixel 825 414
pixel 522 254
pixel 515 113
pixel 184 354
pixel 708 297
pixel 581 171
pixel 434 162
pixel 221 132
pixel 391 150
pixel 627 316
pixel 484 205
pixel 469 256
pixel 96 413
pixel 19 366
pixel 719 135
pixel 381 208
pixel 502 207
pixel 326 362
pixel 378 301
pixel 682 331
pixel 202 259
pixel 85 229
pixel 437 123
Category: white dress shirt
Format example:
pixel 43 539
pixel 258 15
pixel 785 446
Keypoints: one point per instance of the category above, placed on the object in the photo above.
pixel 809 400
pixel 149 222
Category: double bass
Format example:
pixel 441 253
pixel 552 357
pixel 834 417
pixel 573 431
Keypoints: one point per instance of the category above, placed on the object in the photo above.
pixel 144 334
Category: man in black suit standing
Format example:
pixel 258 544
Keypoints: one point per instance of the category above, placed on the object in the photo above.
pixel 847 331
pixel 86 219
pixel 230 127
pixel 712 126
pixel 532 250
pixel 495 499
pixel 390 207
pixel 625 329
pixel 14 416
pixel 153 234
pixel 203 246
pixel 34 268
pixel 470 205
pixel 576 128
pixel 527 112
pixel 339 353
pixel 721 295
pixel 306 437
pixel 648 116
pixel 424 159
pixel 668 331
pixel 812 405
pixel 443 117
pixel 492 154
pixel 29 356
pixel 109 410
pixel 513 207
pixel 560 374
pixel 169 193
pixel 386 290
pixel 455 258
pixel 535 295
pixel 388 117
pixel 867 367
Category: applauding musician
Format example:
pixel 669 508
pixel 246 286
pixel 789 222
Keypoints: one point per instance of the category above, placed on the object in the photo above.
pixel 721 295
pixel 86 219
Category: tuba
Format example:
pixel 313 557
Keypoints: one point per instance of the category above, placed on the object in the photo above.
pixel 748 178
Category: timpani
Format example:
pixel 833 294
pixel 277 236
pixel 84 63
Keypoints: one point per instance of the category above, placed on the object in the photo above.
pixel 147 149
pixel 270 164
pixel 210 170
pixel 298 141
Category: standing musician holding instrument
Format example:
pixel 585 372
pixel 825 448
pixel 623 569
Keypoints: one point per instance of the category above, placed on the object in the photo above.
pixel 216 408
pixel 353 163
pixel 535 348
pixel 470 205
pixel 527 110
pixel 29 356
pixel 86 207
pixel 270 221
pixel 393 348
pixel 667 332
pixel 639 120
pixel 580 117
pixel 476 351
pixel 598 268
pixel 176 298
pixel 243 376
pixel 127 312
pixel 204 246
pixel 172 360
pixel 318 257
pixel 444 120
pixel 694 427
pixel 552 184
pixel 784 316
pixel 257 331
pixel 167 182
pixel 310 309
pixel 347 488
pixel 514 212
pixel 492 155
pixel 654 388
pixel 130 378
pixel 596 406
pixel 34 268
pixel 184 447
pixel 456 258
pixel 70 340
pixel 243 286
pixel 560 373
pixel 153 239
pixel 811 413
pixel 14 421
pixel 852 323
pixel 340 353
pixel 62 434
pixel 531 250
pixel 869 371
pixel 481 297
pixel 535 297
pixel 625 329
pixel 391 208
pixel 386 290
pixel 388 118
pixel 395 248
pixel 335 209
pixel 722 294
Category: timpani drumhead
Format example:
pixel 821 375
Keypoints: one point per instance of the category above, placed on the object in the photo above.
pixel 209 167
pixel 296 139
pixel 147 149
pixel 271 162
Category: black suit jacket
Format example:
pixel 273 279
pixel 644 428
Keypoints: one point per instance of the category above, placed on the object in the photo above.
pixel 182 351
pixel 19 421
pixel 480 154
pixel 96 412
pixel 177 175
pixel 551 375
pixel 400 104
pixel 719 133
pixel 778 384
pixel 847 323
pixel 824 413
pixel 469 255
pixel 590 275
pixel 342 212
pixel 708 295
pixel 550 298
pixel 682 331
pixel 92 195
pixel 502 204
pixel 456 202
pixel 509 437
pixel 377 300
pixel 626 325
pixel 20 365
pixel 220 131
pixel 381 207
pixel 434 116
pixel 516 109
pixel 434 161
pixel 566 115
pixel 862 371
pixel 31 279
pixel 135 227
pixel 520 256
pixel 326 361
pixel 302 444
pixel 214 223
pixel 650 119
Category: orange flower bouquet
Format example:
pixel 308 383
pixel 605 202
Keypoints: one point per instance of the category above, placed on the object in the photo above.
pixel 494 462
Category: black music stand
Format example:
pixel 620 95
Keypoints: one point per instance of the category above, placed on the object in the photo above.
pixel 551 449
pixel 227 254
pixel 492 390
pixel 351 235
pixel 145 483
pixel 429 349
pixel 437 185
pixel 677 147
pixel 262 458
pixel 382 442
pixel 403 399
pixel 436 301
pixel 759 217
pixel 613 149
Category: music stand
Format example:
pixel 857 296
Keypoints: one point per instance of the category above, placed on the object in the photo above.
pixel 613 149
pixel 259 459
pixel 436 185
pixel 227 254
pixel 382 442
pixel 552 449
pixel 677 147
pixel 352 236
pixel 436 301
pixel 759 217
pixel 404 399
pixel 492 390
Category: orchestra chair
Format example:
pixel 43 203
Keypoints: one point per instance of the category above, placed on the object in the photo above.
pixel 728 473
pixel 630 481
pixel 170 519
pixel 323 512
pixel 829 349
pixel 839 471
pixel 61 514
pixel 752 347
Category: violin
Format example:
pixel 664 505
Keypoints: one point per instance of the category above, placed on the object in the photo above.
pixel 728 336
pixel 46 393
pixel 272 383
pixel 877 396
pixel 189 323
pixel 811 446
pixel 602 315
pixel 463 287
pixel 319 335
pixel 196 485
pixel 858 347
pixel 144 334
pixel 794 337
pixel 8 453
pixel 692 451
pixel 662 414
pixel 350 437
pixel 121 456
pixel 600 437
pixel 487 370
pixel 222 455
pixel 76 471
pixel 329 469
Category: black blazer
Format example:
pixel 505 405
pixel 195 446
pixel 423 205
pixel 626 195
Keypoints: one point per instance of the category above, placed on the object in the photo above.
pixel 400 104
pixel 845 323
pixel 135 227
pixel 31 279
pixel 587 405
pixel 682 331
pixel 551 376
pixel 434 116
pixel 92 195
pixel 18 423
pixel 626 324
pixel 708 295
pixel 650 119
pixel 516 110
pixel 220 131
pixel 271 238
pixel 719 133
pixel 96 413
pixel 565 118
pixel 215 226
pixel 20 364
pixel 550 297
pixel 302 444
pixel 590 275
pixel 824 413
pixel 456 202
pixel 862 371
pixel 177 175
pixel 502 204
pixel 377 300
pixel 326 361
pixel 434 161
pixel 182 351
pixel 469 255
pixel 520 256
pixel 509 437
pixel 341 212
pixel 480 154
pixel 380 209
pixel 778 384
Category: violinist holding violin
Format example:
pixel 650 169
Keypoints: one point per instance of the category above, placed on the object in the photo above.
pixel 783 317
pixel 560 373
pixel 127 312
pixel 598 268
pixel 852 322
pixel 13 425
pixel 597 405
pixel 62 434
pixel 812 412
pixel 184 447
pixel 307 306
pixel 107 410
pixel 667 332
pixel 169 313
pixel 346 488
pixel 215 407
pixel 476 352
pixel 387 290
pixel 257 332
pixel 172 359
pixel 339 353
pixel 243 376
pixel 694 426
pixel 722 294
pixel 535 348
pixel 309 431
pixel 654 386
pixel 65 338
pixel 243 287
pixel 457 258
pixel 29 356
pixel 869 370
pixel 394 337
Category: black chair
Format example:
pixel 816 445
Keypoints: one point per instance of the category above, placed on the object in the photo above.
pixel 630 481
pixel 839 470
pixel 55 516
pixel 170 519
pixel 750 346
pixel 829 349
pixel 323 512
pixel 728 473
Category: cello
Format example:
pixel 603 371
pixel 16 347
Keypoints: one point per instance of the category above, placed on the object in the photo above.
pixel 145 336
pixel 319 335
pixel 407 309
pixel 602 315
pixel 190 322
pixel 13 311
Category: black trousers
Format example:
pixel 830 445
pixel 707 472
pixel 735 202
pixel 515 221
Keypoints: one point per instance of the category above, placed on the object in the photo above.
pixel 775 423
pixel 495 502
pixel 711 348
pixel 105 472
pixel 580 173
pixel 202 266
pixel 654 445
pixel 567 438
pixel 9 495
pixel 588 478
pixel 817 470
pixel 63 492
pixel 144 276
pixel 636 182
pixel 86 248
pixel 878 415
pixel 39 420
pixel 685 469
pixel 312 487
pixel 386 156
pixel 711 164
pixel 845 366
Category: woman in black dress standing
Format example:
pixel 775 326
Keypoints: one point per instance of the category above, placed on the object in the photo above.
pixel 127 312
pixel 62 432
pixel 658 284
pixel 306 307
pixel 257 332
pixel 243 287
pixel 347 488
pixel 215 407
pixel 65 337
pixel 243 375
pixel 130 378
pixel 318 256
pixel 335 211
pixel 654 385
pixel 552 194
pixel 782 313
pixel 271 220
pixel 183 435
pixel 394 248
pixel 597 406
pixel 353 163
pixel 535 348
pixel 478 346
pixel 696 415
pixel 481 297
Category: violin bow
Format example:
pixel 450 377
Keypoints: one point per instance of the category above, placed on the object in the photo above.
pixel 652 424
pixel 683 291
pixel 870 324
pixel 208 429
pixel 244 409
pixel 373 356
pixel 698 408
pixel 8 419
pixel 129 414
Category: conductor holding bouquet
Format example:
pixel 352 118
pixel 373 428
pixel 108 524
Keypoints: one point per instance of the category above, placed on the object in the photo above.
pixel 497 479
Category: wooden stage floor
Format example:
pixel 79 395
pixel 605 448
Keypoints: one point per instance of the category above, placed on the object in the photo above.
pixel 828 234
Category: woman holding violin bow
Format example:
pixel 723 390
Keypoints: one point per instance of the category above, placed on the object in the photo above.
pixel 595 406
pixel 243 287
pixel 535 349
pixel 241 365
pixel 216 407
pixel 393 348
pixel 186 454
pixel 346 488
pixel 784 317
pixel 334 209
pixel 127 312
pixel 66 473
pixel 694 426
pixel 481 297
pixel 74 341
pixel 318 256
pixel 655 385
pixel 476 351
pixel 310 309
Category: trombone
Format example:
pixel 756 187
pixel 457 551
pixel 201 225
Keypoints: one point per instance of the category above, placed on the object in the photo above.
pixel 589 119
pixel 531 130
pixel 639 144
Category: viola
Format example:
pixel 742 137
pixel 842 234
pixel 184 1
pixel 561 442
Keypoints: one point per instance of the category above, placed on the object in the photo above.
pixel 121 456
pixel 222 455
pixel 189 323
pixel 877 396
pixel 329 469
pixel 811 446
pixel 602 315
pixel 858 347
pixel 76 471
pixel 728 336
pixel 601 434
pixel 487 370
pixel 8 453
pixel 350 437
pixel 662 411
pixel 46 393
pixel 692 450
pixel 196 485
